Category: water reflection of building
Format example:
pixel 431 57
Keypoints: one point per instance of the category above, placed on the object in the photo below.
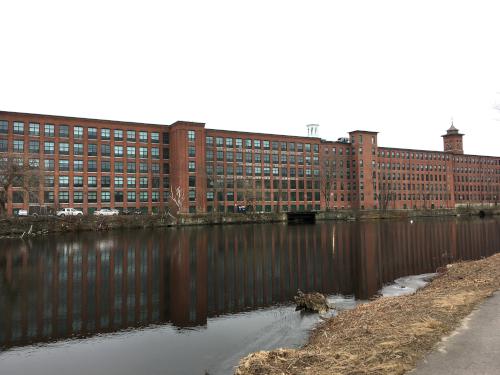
pixel 59 288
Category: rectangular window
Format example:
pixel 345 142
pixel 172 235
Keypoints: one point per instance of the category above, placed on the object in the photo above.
pixel 49 130
pixel 77 149
pixel 78 181
pixel 18 146
pixel 155 196
pixel 78 132
pixel 64 197
pixel 131 152
pixel 34 129
pixel 143 136
pixel 118 182
pixel 118 134
pixel 131 182
pixel 190 135
pixel 64 131
pixel 209 140
pixel 219 142
pixel 92 149
pixel 105 181
pixel 49 181
pixel 63 181
pixel 118 151
pixel 229 142
pixel 239 142
pixel 92 133
pixel 63 165
pixel 143 182
pixel 118 167
pixel 34 147
pixel 130 167
pixel 78 197
pixel 105 196
pixel 92 166
pixel 191 151
pixel 48 164
pixel 143 152
pixel 131 135
pixel 18 127
pixel 105 166
pixel 118 196
pixel 64 148
pixel 256 143
pixel 4 127
pixel 48 196
pixel 131 196
pixel 265 145
pixel 191 166
pixel 143 167
pixel 105 150
pixel 92 181
pixel 92 197
pixel 155 137
pixel 155 152
pixel 155 168
pixel 3 145
pixel 143 196
pixel 78 165
pixel 105 134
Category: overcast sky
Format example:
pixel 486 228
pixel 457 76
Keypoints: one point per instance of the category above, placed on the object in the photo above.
pixel 403 68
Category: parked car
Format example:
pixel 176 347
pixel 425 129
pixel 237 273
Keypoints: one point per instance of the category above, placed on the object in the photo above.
pixel 69 212
pixel 106 212
pixel 22 213
pixel 131 211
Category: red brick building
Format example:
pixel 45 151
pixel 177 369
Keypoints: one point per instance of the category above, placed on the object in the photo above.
pixel 89 164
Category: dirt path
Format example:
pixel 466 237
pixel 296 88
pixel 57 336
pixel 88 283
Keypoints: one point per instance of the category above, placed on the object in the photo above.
pixel 387 335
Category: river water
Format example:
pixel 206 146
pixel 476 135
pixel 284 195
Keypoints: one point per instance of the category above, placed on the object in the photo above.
pixel 195 300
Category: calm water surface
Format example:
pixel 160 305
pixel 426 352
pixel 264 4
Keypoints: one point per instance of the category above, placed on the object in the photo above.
pixel 195 300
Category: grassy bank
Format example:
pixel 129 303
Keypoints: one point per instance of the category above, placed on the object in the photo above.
pixel 387 335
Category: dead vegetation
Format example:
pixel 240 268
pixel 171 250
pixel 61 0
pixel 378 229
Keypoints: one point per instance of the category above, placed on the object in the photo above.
pixel 387 335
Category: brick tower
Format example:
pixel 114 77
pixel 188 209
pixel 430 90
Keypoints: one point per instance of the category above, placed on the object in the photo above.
pixel 453 141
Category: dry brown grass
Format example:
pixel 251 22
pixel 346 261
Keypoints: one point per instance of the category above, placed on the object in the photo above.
pixel 387 335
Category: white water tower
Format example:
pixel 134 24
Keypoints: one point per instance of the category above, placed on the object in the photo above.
pixel 312 130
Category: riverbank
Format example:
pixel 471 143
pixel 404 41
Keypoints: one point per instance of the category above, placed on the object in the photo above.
pixel 16 226
pixel 388 335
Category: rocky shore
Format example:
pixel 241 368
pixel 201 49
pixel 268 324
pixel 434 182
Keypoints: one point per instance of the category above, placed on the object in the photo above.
pixel 387 335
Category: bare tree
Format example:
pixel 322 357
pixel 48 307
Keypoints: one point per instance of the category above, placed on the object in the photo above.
pixel 327 179
pixel 16 171
pixel 177 197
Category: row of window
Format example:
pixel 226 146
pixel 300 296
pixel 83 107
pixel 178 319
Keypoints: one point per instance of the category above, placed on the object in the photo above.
pixel 63 148
pixel 267 196
pixel 266 184
pixel 119 182
pixel 91 196
pixel 49 130
pixel 257 157
pixel 92 166
pixel 260 144
pixel 259 171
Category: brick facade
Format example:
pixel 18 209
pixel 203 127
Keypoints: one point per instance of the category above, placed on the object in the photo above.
pixel 90 164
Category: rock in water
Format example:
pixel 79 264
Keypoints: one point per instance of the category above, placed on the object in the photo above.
pixel 315 302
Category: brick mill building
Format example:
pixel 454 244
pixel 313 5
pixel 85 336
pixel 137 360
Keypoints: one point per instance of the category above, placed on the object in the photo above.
pixel 89 164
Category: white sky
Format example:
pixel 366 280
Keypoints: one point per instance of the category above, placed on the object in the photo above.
pixel 402 68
